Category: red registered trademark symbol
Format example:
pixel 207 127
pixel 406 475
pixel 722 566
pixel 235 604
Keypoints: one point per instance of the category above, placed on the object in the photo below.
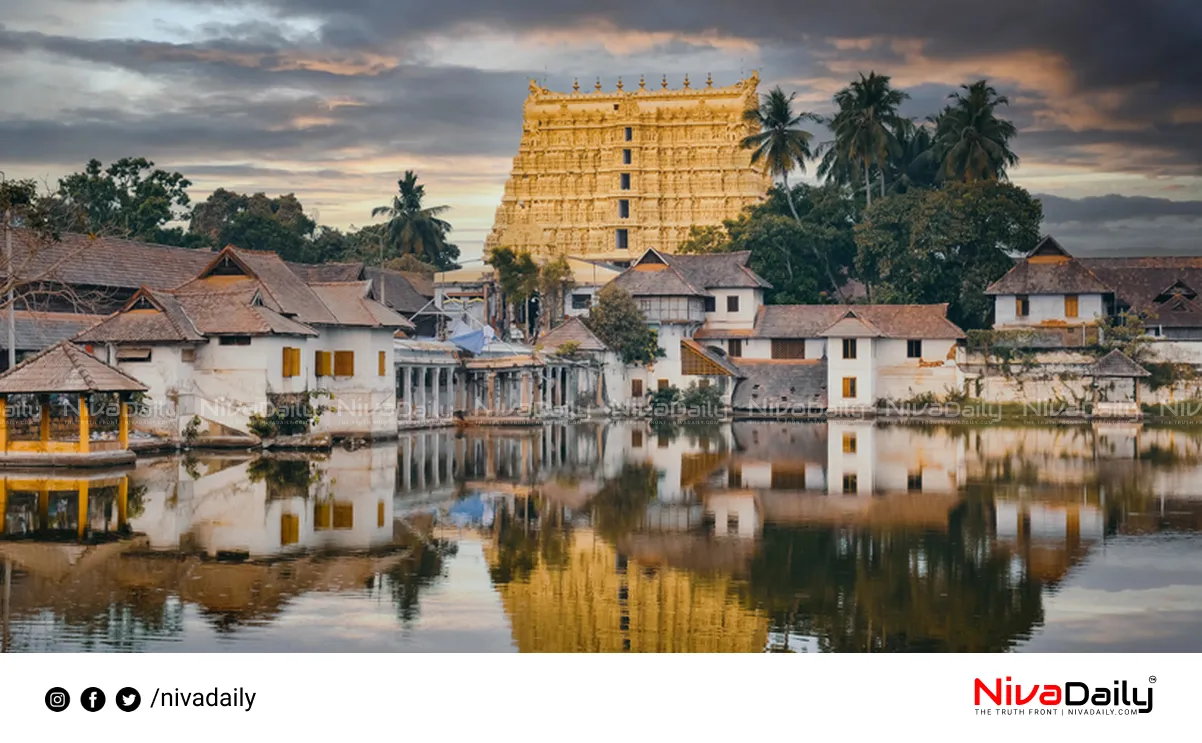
pixel 1151 679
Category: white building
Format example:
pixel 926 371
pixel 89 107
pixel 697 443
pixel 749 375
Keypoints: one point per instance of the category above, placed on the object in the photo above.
pixel 248 336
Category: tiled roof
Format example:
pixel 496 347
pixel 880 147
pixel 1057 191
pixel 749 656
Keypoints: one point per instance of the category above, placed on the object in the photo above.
pixel 659 282
pixel 294 297
pixel 319 273
pixel 717 270
pixel 166 322
pixel 572 331
pixel 104 261
pixel 229 309
pixel 1138 282
pixel 38 330
pixel 887 320
pixel 1069 277
pixel 401 290
pixel 780 385
pixel 351 304
pixel 1117 364
pixel 723 362
pixel 66 368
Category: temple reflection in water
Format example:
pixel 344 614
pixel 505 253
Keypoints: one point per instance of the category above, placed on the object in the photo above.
pixel 612 537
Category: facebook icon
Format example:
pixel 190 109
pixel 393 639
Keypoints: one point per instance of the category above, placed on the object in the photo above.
pixel 92 699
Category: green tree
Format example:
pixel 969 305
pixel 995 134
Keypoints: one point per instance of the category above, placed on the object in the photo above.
pixel 130 198
pixel 411 264
pixel 914 164
pixel 554 283
pixel 972 142
pixel 619 323
pixel 415 229
pixel 946 245
pixel 864 130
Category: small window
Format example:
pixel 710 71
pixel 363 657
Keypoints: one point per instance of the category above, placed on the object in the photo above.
pixel 344 515
pixel 234 340
pixel 636 439
pixel 622 239
pixel 1022 305
pixel 1070 305
pixel 344 363
pixel 623 209
pixel 849 443
pixel 849 388
pixel 380 514
pixel 187 355
pixel 629 134
pixel 383 364
pixel 289 529
pixel 627 157
pixel 914 481
pixel 133 354
pixel 636 388
pixel 788 348
pixel 734 477
pixel 849 348
pixel 732 304
pixel 703 384
pixel 914 349
pixel 734 348
pixel 851 483
pixel 661 384
pixel 581 301
pixel 711 304
pixel 624 181
pixel 662 441
pixel 323 364
pixel 291 362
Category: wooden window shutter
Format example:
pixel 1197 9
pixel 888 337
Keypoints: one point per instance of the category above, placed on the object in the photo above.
pixel 289 529
pixel 1070 305
pixel 383 364
pixel 344 363
pixel 322 363
pixel 291 362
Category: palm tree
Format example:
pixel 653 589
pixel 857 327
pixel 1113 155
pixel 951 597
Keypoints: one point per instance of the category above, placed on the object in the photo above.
pixel 864 128
pixel 782 146
pixel 411 228
pixel 915 164
pixel 971 141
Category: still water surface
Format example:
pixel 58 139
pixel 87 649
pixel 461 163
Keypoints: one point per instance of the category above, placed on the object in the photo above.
pixel 836 536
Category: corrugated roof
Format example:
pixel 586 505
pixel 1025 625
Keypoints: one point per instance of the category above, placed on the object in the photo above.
pixel 351 304
pixel 780 385
pixel 65 367
pixel 572 331
pixel 1117 364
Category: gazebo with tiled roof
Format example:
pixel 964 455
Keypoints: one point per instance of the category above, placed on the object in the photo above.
pixel 65 369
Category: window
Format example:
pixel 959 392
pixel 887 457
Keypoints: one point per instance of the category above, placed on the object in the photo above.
pixel 627 157
pixel 629 135
pixel 851 483
pixel 849 348
pixel 235 340
pixel 734 477
pixel 187 355
pixel 661 384
pixel 133 354
pixel 1070 305
pixel 622 239
pixel 788 348
pixel 344 515
pixel 289 529
pixel 914 481
pixel 662 441
pixel 914 349
pixel 581 301
pixel 734 348
pixel 703 383
pixel 711 304
pixel 623 209
pixel 323 364
pixel 636 439
pixel 344 363
pixel 321 516
pixel 636 388
pixel 292 362
pixel 849 388
pixel 732 304
pixel 383 364
pixel 380 514
pixel 624 181
pixel 849 443
pixel 1022 305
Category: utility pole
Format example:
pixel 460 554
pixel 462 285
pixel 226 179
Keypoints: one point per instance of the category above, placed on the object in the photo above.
pixel 8 275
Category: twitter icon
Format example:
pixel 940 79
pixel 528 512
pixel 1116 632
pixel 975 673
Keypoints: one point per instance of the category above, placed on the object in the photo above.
pixel 128 699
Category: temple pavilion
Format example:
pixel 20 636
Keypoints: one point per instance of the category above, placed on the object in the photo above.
pixel 46 411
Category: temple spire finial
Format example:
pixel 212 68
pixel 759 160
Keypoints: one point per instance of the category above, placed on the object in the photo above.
pixel 686 81
pixel 664 84
pixel 709 80
pixel 598 86
pixel 576 85
pixel 642 82
pixel 619 82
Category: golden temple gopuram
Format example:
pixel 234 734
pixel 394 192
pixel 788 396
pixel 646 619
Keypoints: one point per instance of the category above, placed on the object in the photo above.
pixel 605 175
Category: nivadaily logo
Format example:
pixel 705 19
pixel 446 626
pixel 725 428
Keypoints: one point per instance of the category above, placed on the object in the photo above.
pixel 1072 697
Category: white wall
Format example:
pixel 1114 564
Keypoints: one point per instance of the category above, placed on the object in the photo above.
pixel 761 348
pixel 936 372
pixel 1046 307
pixel 860 367
pixel 749 303
pixel 168 378
pixel 364 404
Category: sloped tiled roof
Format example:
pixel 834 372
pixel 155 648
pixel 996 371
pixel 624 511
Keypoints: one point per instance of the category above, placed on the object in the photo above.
pixel 66 368
pixel 769 385
pixel 1069 277
pixel 351 304
pixel 229 309
pixel 572 331
pixel 38 330
pixel 887 320
pixel 1137 282
pixel 660 282
pixel 166 323
pixel 1117 364
pixel 283 290
pixel 404 291
pixel 82 260
pixel 321 273
pixel 717 270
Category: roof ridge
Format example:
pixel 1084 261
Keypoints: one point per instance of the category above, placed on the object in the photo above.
pixel 71 352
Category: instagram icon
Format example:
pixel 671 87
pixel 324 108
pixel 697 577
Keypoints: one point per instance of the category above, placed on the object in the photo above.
pixel 57 699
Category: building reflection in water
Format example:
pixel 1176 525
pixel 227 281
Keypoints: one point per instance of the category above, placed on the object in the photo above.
pixel 836 536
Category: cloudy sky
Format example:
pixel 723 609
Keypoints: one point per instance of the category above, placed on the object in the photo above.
pixel 331 99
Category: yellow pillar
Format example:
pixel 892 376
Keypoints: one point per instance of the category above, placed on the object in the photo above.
pixel 83 509
pixel 85 433
pixel 3 424
pixel 123 425
pixel 122 502
pixel 3 503
pixel 44 428
pixel 44 507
